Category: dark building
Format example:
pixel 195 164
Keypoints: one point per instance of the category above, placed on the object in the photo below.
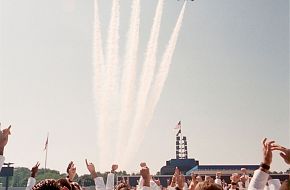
pixel 187 166
pixel 181 161
pixel 183 164
pixel 191 165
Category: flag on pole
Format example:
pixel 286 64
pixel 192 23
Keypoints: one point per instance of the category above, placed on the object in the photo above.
pixel 46 144
pixel 178 126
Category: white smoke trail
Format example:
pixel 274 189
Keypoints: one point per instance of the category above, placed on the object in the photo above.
pixel 138 132
pixel 98 54
pixel 164 67
pixel 148 70
pixel 128 78
pixel 108 98
pixel 98 67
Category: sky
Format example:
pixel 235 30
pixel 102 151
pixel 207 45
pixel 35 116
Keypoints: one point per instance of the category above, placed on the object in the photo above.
pixel 228 82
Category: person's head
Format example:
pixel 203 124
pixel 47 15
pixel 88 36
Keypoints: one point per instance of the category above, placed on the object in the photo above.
pixel 52 184
pixel 244 171
pixel 208 186
pixel 207 178
pixel 198 178
pixel 235 177
pixel 62 183
pixel 218 174
pixel 122 186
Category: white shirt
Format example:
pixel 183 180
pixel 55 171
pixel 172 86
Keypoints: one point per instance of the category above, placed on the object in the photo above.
pixel 30 183
pixel 100 184
pixel 259 180
pixel 2 159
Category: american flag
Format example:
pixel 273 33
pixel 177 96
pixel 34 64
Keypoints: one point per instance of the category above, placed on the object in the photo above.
pixel 178 126
pixel 46 143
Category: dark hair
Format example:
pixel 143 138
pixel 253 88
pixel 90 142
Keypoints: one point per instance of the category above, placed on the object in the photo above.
pixel 46 184
pixel 63 182
pixel 75 186
pixel 52 184
pixel 208 186
pixel 122 186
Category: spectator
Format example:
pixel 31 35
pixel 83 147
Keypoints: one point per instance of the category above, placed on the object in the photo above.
pixel 31 180
pixel 218 179
pixel 244 179
pixel 178 181
pixel 99 181
pixel 208 186
pixel 193 182
pixel 260 177
pixel 52 184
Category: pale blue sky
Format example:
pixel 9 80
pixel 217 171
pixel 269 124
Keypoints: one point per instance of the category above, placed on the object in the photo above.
pixel 228 82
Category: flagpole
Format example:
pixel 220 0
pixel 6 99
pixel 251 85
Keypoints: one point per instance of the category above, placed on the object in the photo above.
pixel 45 159
pixel 46 148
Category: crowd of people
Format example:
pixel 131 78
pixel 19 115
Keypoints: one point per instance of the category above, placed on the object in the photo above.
pixel 261 179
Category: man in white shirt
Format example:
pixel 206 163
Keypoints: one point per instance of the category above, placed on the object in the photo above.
pixel 31 180
pixel 99 181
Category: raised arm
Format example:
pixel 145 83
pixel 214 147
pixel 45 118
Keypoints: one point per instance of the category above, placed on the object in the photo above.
pixel 31 180
pixel 285 152
pixel 4 134
pixel 261 175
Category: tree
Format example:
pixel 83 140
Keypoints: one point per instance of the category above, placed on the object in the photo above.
pixel 20 177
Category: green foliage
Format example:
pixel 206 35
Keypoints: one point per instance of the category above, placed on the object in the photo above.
pixel 48 174
pixel 21 175
pixel 85 180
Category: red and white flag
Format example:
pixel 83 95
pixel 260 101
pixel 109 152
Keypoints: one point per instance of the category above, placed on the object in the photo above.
pixel 46 144
pixel 178 126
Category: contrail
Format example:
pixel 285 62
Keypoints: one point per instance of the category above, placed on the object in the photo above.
pixel 128 78
pixel 147 74
pixel 98 55
pixel 138 133
pixel 98 69
pixel 109 96
pixel 163 70
pixel 148 68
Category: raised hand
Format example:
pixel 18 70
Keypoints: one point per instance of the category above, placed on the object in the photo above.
pixel 145 175
pixel 143 164
pixel 267 151
pixel 176 171
pixel 34 169
pixel 285 152
pixel 4 138
pixel 91 169
pixel 72 171
pixel 180 181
